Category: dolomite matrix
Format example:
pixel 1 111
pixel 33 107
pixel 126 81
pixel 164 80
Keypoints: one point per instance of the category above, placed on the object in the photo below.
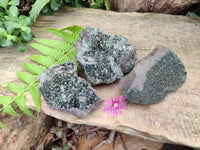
pixel 104 57
pixel 64 90
pixel 154 76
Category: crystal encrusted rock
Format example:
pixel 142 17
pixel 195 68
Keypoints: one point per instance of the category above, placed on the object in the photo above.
pixel 64 90
pixel 104 58
pixel 154 76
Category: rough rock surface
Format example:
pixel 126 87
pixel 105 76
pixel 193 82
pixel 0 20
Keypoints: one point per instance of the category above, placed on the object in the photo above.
pixel 64 90
pixel 157 6
pixel 154 76
pixel 24 132
pixel 104 58
pixel 174 120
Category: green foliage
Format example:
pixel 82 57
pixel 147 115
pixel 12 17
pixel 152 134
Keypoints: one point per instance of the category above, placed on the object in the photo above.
pixel 21 102
pixel 97 4
pixel 100 4
pixel 25 77
pixel 49 6
pixel 15 88
pixel 55 52
pixel 43 60
pixel 7 108
pixel 3 126
pixel 71 38
pixel 53 5
pixel 35 93
pixel 192 14
pixel 13 28
pixel 34 69
pixel 36 9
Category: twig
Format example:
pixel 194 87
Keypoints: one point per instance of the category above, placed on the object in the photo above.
pixel 109 140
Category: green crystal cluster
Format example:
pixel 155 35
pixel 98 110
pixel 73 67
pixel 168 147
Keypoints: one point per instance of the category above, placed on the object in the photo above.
pixel 64 90
pixel 167 75
pixel 104 57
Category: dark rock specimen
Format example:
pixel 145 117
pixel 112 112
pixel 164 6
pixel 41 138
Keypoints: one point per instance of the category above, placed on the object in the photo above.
pixel 104 58
pixel 64 90
pixel 154 76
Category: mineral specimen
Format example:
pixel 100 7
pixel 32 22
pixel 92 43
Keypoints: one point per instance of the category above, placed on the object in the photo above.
pixel 104 58
pixel 64 90
pixel 154 76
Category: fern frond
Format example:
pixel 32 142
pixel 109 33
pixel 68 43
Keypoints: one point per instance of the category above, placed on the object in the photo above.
pixel 69 37
pixel 15 88
pixel 25 77
pixel 3 126
pixel 21 102
pixel 62 45
pixel 35 93
pixel 9 110
pixel 34 69
pixel 36 9
pixel 74 29
pixel 5 100
pixel 72 55
pixel 54 53
pixel 43 60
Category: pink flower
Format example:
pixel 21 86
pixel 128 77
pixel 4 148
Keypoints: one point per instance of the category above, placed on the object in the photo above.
pixel 114 106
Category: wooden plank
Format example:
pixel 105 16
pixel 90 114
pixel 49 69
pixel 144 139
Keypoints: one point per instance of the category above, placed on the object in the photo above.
pixel 177 118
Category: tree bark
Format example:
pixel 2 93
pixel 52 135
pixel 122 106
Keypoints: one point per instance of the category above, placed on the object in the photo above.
pixel 156 6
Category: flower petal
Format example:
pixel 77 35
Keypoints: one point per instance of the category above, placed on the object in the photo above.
pixel 110 102
pixel 116 113
pixel 120 112
pixel 106 104
pixel 107 108
pixel 123 107
pixel 122 98
pixel 123 103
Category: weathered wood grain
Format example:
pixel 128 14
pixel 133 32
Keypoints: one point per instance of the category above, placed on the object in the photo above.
pixel 177 118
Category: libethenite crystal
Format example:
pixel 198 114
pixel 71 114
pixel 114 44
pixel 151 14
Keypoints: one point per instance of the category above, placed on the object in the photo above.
pixel 104 57
pixel 154 77
pixel 64 90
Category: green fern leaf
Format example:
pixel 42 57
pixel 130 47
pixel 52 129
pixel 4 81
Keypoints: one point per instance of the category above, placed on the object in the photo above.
pixel 16 88
pixel 70 38
pixel 107 5
pixel 56 32
pixel 5 100
pixel 35 93
pixel 63 59
pixel 3 126
pixel 74 29
pixel 72 55
pixel 62 45
pixel 9 110
pixel 36 9
pixel 43 60
pixel 25 77
pixel 54 53
pixel 34 69
pixel 21 102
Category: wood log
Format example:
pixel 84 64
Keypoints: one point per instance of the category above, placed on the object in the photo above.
pixel 174 120
pixel 156 6
pixel 24 132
